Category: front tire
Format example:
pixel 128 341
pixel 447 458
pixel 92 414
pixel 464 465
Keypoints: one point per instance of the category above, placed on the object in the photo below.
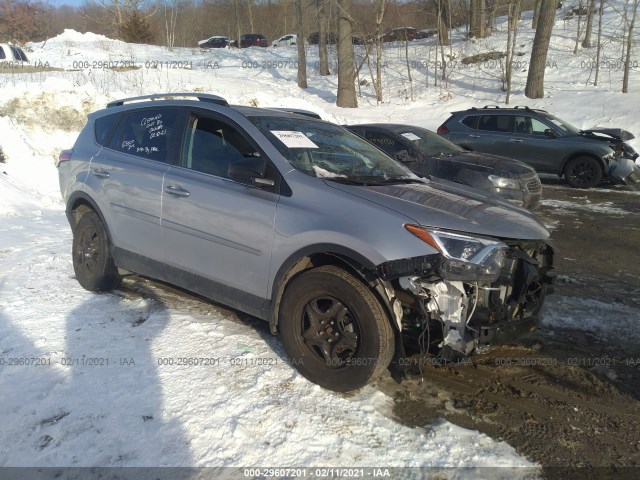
pixel 92 255
pixel 583 172
pixel 334 329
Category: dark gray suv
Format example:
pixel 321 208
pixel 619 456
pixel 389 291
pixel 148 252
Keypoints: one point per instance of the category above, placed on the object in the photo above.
pixel 548 144
pixel 352 258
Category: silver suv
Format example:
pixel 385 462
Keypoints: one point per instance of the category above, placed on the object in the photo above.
pixel 353 259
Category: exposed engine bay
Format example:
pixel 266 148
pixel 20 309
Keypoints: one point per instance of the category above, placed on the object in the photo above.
pixel 452 318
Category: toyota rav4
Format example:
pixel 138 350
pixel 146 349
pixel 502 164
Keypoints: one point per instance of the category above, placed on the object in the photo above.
pixel 352 258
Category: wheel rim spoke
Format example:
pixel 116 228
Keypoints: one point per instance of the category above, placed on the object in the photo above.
pixel 329 330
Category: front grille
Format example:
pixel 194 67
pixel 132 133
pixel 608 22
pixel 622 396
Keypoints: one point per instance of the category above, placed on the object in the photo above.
pixel 533 184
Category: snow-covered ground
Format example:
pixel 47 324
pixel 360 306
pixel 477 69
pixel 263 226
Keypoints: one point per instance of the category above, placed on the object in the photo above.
pixel 98 388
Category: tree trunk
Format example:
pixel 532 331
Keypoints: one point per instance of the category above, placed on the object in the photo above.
pixel 474 23
pixel 382 10
pixel 599 43
pixel 302 59
pixel 629 39
pixel 586 43
pixel 346 69
pixel 323 54
pixel 536 14
pixel 443 22
pixel 236 11
pixel 575 47
pixel 514 14
pixel 535 77
pixel 250 10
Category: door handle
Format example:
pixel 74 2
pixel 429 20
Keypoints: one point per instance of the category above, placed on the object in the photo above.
pixel 474 136
pixel 100 172
pixel 515 140
pixel 176 191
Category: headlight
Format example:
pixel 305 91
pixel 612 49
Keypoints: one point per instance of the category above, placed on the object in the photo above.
pixel 466 258
pixel 504 182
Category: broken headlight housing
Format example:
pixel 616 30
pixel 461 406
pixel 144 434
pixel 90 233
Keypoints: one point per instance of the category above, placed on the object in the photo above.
pixel 466 258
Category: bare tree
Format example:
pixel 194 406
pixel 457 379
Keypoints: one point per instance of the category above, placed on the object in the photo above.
pixel 537 64
pixel 170 22
pixel 302 59
pixel 22 21
pixel 514 14
pixel 599 42
pixel 346 68
pixel 323 54
pixel 586 42
pixel 444 21
pixel 629 39
pixel 575 47
pixel 536 14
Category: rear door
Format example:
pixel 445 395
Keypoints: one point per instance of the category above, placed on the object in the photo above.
pixel 126 180
pixel 217 232
pixel 493 134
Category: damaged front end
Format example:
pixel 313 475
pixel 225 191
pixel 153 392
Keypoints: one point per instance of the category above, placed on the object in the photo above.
pixel 622 163
pixel 476 291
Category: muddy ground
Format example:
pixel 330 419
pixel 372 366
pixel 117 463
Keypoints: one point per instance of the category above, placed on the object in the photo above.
pixel 566 398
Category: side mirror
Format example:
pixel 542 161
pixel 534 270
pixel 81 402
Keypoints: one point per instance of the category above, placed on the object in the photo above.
pixel 251 171
pixel 550 133
pixel 402 156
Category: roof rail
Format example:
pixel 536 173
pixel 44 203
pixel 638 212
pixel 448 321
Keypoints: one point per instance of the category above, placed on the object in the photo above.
pixel 203 97
pixel 491 106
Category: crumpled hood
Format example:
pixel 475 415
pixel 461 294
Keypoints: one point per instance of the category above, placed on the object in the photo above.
pixel 492 164
pixel 615 133
pixel 453 207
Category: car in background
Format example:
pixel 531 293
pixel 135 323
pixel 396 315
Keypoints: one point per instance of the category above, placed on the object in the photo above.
pixel 253 40
pixel 314 38
pixel 217 41
pixel 428 154
pixel 402 34
pixel 285 40
pixel 11 54
pixel 346 253
pixel 550 145
pixel 420 34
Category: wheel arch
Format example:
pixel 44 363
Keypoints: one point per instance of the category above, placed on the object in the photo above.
pixel 80 203
pixel 574 155
pixel 326 254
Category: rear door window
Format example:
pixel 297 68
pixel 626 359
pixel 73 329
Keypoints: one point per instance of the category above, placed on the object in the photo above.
pixel 496 123
pixel 18 54
pixel 471 121
pixel 2 54
pixel 148 133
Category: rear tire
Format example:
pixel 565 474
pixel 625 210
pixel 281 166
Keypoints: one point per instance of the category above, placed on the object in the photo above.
pixel 334 329
pixel 583 172
pixel 92 255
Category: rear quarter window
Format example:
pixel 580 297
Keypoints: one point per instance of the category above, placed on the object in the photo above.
pixel 2 54
pixel 104 127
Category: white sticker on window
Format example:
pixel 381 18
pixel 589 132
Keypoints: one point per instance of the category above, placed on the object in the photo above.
pixel 411 136
pixel 293 139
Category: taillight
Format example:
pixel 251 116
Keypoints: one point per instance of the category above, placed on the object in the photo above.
pixel 442 129
pixel 65 156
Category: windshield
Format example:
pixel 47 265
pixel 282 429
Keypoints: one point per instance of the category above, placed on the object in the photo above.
pixel 324 150
pixel 429 142
pixel 564 127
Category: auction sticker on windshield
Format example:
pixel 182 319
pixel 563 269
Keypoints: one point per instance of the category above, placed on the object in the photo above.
pixel 411 136
pixel 293 139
